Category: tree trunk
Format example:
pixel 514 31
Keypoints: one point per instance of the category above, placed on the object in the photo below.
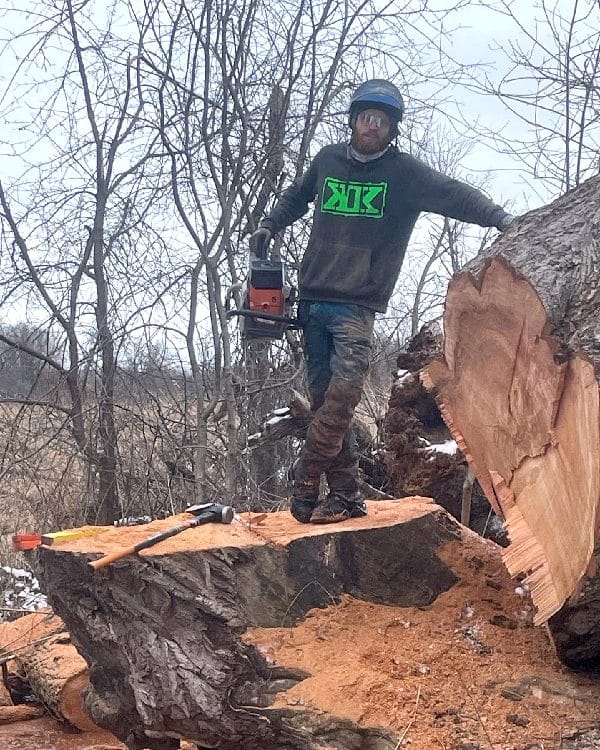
pixel 162 631
pixel 108 509
pixel 518 388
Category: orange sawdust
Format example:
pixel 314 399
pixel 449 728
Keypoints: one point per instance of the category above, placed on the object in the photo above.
pixel 468 671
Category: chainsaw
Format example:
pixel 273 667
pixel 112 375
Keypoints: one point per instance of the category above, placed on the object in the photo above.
pixel 267 299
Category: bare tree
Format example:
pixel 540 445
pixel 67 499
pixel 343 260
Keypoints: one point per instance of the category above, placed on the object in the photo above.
pixel 65 217
pixel 144 143
pixel 548 76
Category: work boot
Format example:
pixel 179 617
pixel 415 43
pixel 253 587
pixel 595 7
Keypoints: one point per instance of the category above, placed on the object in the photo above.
pixel 302 510
pixel 358 507
pixel 337 507
pixel 342 473
pixel 305 494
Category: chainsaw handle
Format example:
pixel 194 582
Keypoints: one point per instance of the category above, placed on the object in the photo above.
pixel 259 242
pixel 290 322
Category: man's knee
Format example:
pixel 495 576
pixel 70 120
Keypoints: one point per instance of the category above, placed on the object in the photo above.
pixel 343 396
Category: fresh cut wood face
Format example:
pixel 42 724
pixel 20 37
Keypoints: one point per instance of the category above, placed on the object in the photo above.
pixel 558 497
pixel 528 421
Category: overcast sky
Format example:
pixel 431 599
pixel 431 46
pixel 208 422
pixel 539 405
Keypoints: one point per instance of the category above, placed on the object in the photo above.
pixel 477 34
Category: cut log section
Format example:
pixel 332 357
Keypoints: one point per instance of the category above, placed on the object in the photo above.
pixel 164 631
pixel 39 650
pixel 13 714
pixel 518 388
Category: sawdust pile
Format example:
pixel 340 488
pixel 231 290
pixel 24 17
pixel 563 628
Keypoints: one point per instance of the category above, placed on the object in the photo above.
pixel 468 672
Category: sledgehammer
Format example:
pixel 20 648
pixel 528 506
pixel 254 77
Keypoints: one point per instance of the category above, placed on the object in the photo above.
pixel 205 513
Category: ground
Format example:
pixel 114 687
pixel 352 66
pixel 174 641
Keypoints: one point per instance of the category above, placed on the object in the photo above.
pixel 468 672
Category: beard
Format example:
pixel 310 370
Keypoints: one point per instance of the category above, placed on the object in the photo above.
pixel 368 143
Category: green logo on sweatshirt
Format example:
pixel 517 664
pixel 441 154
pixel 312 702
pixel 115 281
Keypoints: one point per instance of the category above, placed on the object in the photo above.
pixel 353 198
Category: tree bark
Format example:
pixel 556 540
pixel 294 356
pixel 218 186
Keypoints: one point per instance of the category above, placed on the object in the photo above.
pixel 518 388
pixel 163 632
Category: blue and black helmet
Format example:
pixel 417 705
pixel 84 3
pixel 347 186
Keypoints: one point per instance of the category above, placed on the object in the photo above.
pixel 379 94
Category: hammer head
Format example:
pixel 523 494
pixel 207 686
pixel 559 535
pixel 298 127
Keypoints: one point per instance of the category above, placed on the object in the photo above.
pixel 212 512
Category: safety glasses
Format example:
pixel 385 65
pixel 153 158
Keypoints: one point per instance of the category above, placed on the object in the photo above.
pixel 371 119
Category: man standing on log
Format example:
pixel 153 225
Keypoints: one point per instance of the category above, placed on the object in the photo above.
pixel 367 196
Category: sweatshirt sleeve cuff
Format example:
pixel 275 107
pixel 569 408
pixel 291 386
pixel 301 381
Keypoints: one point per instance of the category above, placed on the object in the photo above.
pixel 498 217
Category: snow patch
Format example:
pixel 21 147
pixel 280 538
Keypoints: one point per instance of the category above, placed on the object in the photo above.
pixel 450 447
pixel 22 590
pixel 276 420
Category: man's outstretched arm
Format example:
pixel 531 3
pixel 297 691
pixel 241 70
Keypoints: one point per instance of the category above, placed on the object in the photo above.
pixel 440 194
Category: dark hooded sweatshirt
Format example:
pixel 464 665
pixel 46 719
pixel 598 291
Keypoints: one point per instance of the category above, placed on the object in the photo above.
pixel 364 215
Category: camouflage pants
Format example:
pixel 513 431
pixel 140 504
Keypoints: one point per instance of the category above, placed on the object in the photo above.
pixel 337 348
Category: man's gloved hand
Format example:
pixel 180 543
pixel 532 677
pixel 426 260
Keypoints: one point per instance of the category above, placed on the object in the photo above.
pixel 505 222
pixel 259 241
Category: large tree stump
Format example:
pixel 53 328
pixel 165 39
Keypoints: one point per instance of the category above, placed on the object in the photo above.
pixel 400 627
pixel 518 387
pixel 163 632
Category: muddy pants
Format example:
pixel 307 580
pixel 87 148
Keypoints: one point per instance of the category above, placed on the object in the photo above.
pixel 337 347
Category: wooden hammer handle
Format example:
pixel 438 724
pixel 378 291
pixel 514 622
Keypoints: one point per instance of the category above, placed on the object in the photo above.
pixel 148 542
pixel 221 513
pixel 113 557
